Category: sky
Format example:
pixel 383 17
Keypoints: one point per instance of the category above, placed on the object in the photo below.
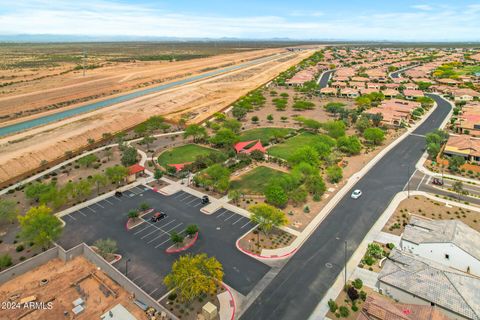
pixel 405 20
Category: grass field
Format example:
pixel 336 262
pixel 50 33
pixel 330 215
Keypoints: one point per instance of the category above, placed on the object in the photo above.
pixel 468 70
pixel 255 181
pixel 284 150
pixel 186 153
pixel 264 134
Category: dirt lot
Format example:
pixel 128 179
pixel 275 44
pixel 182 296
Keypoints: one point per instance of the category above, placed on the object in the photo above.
pixel 431 209
pixel 61 291
pixel 24 151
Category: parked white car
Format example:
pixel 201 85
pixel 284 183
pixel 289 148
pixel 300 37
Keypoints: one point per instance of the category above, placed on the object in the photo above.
pixel 356 194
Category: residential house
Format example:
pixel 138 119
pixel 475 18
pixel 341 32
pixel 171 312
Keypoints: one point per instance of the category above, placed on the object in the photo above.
pixel 410 86
pixel 356 85
pixel 301 77
pixel 415 280
pixel 463 146
pixel 390 93
pixel 339 84
pixel 449 242
pixel 377 307
pixel 372 85
pixel 349 93
pixel 412 94
pixel 329 91
pixel 464 94
pixel 468 122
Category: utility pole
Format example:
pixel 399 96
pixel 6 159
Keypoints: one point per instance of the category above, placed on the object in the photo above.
pixel 84 60
pixel 126 267
pixel 408 182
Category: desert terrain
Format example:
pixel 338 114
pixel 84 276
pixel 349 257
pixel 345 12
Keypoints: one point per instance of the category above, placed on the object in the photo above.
pixel 23 152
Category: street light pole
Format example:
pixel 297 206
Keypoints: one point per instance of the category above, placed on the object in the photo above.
pixel 126 266
pixel 408 182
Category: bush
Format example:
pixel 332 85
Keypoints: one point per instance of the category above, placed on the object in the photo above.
pixel 363 295
pixel 353 293
pixel 369 260
pixel 390 246
pixel 334 174
pixel 354 308
pixel 5 261
pixel 357 283
pixel 332 305
pixel 19 248
pixel 172 296
pixel 344 311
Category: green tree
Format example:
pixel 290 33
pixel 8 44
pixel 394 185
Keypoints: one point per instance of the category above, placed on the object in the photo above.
pixel 306 154
pixel 37 189
pixel 8 210
pixel 106 247
pixel 192 276
pixel 270 118
pixel 234 195
pixel 148 139
pixel 224 138
pixel 100 180
pixel 158 174
pixel 267 217
pixel 374 135
pixel 191 230
pixel 298 196
pixel 335 108
pixel 215 176
pixel 275 195
pixel 116 174
pixel 376 119
pixel 458 188
pixel 363 102
pixel 255 119
pixel 40 226
pixel 232 124
pixel 5 261
pixel 144 206
pixel 362 124
pixel 239 112
pixel 315 185
pixel 87 160
pixel 334 174
pixel 197 132
pixel 349 144
pixel 176 238
pixel 455 162
pixel 309 124
pixel 433 149
pixel 133 214
pixel 300 105
pixel 129 156
pixel 335 129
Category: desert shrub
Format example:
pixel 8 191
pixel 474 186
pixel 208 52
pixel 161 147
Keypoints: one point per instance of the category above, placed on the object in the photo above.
pixel 332 305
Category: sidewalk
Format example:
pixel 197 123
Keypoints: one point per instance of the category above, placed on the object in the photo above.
pixel 369 278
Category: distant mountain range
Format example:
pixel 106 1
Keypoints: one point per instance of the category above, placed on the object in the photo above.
pixel 31 38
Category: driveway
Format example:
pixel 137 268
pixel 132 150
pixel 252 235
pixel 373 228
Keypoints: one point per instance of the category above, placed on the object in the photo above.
pixel 145 244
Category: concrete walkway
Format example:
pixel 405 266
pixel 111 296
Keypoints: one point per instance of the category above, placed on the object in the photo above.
pixel 368 277
pixel 385 237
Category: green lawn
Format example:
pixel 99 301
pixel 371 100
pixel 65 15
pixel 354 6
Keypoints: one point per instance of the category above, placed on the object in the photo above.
pixel 468 70
pixel 254 182
pixel 285 149
pixel 182 154
pixel 263 134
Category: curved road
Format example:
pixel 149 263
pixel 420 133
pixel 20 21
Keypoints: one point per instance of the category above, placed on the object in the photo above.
pixel 301 284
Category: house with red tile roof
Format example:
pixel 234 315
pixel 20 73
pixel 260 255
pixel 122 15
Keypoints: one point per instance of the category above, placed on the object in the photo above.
pixel 464 146
pixel 134 171
pixel 412 94
pixel 349 93
pixel 329 91
pixel 464 94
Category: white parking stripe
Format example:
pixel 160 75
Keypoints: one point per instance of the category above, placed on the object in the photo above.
pixel 238 220
pixel 83 214
pixel 159 236
pixel 108 201
pixel 198 204
pixel 91 209
pixel 98 204
pixel 148 234
pixel 245 224
pixel 179 195
pixel 178 225
pixel 166 224
pixel 152 292
pixel 117 198
pixel 233 214
pixel 188 196
pixel 225 211
pixel 72 217
pixel 193 200
pixel 148 226
pixel 158 245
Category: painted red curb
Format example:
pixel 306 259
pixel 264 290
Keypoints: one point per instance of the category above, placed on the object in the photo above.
pixel 232 301
pixel 183 248
pixel 264 257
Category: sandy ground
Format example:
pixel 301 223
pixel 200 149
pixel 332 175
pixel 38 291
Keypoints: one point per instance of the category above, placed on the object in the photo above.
pixel 61 291
pixel 430 209
pixel 37 96
pixel 24 151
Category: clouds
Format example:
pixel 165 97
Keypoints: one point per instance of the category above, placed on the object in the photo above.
pixel 112 18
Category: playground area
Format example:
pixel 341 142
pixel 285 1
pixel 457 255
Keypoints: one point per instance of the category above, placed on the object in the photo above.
pixel 62 284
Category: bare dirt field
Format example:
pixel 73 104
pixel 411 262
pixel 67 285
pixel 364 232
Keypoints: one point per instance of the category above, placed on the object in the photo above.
pixel 61 291
pixel 430 209
pixel 24 151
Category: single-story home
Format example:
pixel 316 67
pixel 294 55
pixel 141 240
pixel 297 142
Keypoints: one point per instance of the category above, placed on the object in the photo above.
pixel 464 146
pixel 412 94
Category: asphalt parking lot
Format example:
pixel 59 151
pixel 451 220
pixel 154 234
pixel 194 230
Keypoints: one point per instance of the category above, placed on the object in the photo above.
pixel 144 246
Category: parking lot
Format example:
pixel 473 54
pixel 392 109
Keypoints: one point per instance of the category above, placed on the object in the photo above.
pixel 144 246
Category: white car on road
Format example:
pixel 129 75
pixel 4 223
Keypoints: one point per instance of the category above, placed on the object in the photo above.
pixel 356 194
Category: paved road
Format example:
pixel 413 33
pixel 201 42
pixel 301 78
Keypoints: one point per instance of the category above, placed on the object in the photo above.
pixel 323 82
pixel 397 74
pixel 306 278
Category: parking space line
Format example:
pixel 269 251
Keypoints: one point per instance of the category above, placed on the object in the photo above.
pixel 98 204
pixel 117 199
pixel 197 204
pixel 245 225
pixel 91 209
pixel 192 200
pixel 148 226
pixel 108 201
pixel 173 227
pixel 179 195
pixel 159 236
pixel 188 196
pixel 152 292
pixel 233 213
pixel 83 214
pixel 166 224
pixel 72 217
pixel 158 245
pixel 137 278
pixel 238 220
pixel 225 211
pixel 148 234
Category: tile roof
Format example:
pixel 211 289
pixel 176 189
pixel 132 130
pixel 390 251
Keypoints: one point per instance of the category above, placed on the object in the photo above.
pixel 463 144
pixel 433 282
pixel 443 231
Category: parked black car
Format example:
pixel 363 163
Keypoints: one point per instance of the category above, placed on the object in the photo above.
pixel 158 216
pixel 118 194
pixel 437 182
pixel 205 199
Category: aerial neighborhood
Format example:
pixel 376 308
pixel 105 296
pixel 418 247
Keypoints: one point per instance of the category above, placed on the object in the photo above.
pixel 240 180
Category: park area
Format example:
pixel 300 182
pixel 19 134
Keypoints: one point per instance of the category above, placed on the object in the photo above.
pixel 430 209
pixel 183 154
pixel 266 135
pixel 62 283
pixel 255 180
